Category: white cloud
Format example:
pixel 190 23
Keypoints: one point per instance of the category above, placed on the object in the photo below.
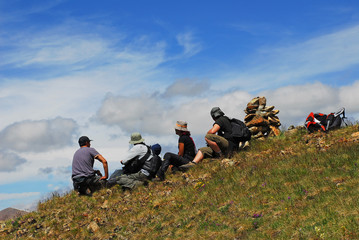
pixel 48 166
pixel 188 42
pixel 296 102
pixel 293 100
pixel 70 50
pixel 142 113
pixel 74 46
pixel 186 87
pixel 273 67
pixel 328 53
pixel 154 115
pixel 9 162
pixel 157 116
pixel 20 13
pixel 38 136
pixel 58 171
pixel 7 196
pixel 349 97
pixel 46 170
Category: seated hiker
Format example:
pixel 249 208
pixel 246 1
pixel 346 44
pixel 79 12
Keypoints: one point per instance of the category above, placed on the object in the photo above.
pixel 84 177
pixel 218 138
pixel 138 169
pixel 186 150
pixel 156 150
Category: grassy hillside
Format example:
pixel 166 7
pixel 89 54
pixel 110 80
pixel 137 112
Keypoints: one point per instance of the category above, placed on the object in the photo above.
pixel 297 186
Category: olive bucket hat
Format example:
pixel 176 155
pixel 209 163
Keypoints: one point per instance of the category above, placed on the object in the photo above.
pixel 136 138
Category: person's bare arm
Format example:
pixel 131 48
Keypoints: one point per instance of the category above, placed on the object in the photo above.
pixel 214 129
pixel 105 165
pixel 180 149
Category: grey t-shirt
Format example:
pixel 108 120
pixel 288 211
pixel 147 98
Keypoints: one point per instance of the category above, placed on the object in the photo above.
pixel 82 163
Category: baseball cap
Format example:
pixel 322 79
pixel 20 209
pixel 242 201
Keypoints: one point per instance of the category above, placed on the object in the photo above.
pixel 83 140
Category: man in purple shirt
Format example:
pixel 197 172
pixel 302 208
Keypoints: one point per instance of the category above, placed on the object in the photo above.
pixel 84 177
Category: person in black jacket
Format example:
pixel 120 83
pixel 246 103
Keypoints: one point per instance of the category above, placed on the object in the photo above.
pixel 186 150
pixel 218 138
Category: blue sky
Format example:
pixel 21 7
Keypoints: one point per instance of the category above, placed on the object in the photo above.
pixel 109 68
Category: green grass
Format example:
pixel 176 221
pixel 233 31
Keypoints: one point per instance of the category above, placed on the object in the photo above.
pixel 297 186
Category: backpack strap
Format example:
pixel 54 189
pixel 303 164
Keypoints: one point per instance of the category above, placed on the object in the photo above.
pixel 341 112
pixel 143 159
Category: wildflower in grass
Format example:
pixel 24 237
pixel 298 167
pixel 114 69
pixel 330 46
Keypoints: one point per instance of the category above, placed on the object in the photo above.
pixel 199 185
pixel 257 215
pixel 288 198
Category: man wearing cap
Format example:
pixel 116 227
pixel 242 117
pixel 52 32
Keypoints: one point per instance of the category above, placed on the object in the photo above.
pixel 84 177
pixel 139 156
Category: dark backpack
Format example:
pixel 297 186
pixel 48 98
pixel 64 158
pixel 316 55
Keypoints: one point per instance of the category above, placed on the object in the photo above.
pixel 152 167
pixel 323 122
pixel 155 164
pixel 240 131
pixel 135 164
pixel 334 120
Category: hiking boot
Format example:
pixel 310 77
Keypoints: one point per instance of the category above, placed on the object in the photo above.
pixel 160 175
pixel 243 145
pixel 187 166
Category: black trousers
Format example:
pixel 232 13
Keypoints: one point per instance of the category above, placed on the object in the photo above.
pixel 171 159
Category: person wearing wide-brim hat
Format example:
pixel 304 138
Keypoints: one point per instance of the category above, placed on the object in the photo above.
pixel 135 173
pixel 186 150
pixel 136 138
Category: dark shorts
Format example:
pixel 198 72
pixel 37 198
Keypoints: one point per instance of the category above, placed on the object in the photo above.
pixel 222 143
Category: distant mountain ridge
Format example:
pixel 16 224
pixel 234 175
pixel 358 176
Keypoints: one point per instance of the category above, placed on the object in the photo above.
pixel 9 213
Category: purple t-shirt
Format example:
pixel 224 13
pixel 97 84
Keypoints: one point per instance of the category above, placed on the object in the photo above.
pixel 82 163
